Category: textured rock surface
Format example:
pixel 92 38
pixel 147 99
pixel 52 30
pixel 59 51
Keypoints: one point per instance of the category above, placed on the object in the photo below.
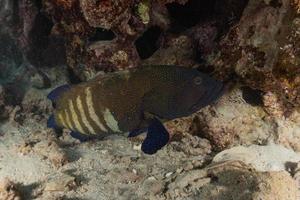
pixel 233 121
pixel 262 158
pixel 262 50
pixel 233 180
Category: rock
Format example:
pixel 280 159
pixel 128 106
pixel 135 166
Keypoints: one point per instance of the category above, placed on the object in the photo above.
pixel 233 121
pixel 262 158
pixel 151 187
pixel 276 186
pixel 261 50
pixel 288 133
pixel 233 180
pixel 175 51
pixel 35 102
pixel 8 190
pixel 106 14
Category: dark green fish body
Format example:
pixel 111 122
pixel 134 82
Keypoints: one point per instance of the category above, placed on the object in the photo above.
pixel 129 100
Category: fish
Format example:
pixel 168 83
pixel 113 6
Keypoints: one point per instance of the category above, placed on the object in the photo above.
pixel 132 102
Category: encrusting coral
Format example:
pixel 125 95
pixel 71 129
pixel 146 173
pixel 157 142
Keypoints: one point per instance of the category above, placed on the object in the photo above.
pixel 80 21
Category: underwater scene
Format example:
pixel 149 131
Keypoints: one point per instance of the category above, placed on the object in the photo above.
pixel 149 99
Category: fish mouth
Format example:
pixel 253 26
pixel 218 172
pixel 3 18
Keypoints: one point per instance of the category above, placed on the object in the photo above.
pixel 210 97
pixel 217 93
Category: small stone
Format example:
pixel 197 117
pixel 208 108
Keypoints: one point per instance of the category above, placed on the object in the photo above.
pixel 151 178
pixel 104 151
pixel 137 147
pixel 129 177
pixel 179 170
pixel 188 166
pixel 157 187
pixel 168 174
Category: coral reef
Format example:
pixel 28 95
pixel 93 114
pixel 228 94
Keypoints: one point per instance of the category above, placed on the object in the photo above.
pixel 245 146
pixel 88 34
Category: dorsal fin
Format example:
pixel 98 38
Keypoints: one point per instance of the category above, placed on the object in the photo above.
pixel 55 94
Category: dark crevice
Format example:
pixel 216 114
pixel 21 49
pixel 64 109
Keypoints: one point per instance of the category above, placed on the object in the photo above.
pixel 275 3
pixel 38 4
pixel 44 47
pixel 40 31
pixel 207 69
pixel 74 79
pixel 190 14
pixel 146 45
pixel 15 92
pixel 252 96
pixel 39 39
pixel 102 34
pixel 228 12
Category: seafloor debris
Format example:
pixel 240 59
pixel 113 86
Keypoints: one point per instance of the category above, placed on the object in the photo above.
pixel 47 146
pixel 60 182
pixel 8 190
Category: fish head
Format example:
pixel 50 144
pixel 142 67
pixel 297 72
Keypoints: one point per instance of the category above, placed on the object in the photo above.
pixel 196 91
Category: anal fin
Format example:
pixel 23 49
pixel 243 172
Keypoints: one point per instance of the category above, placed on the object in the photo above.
pixel 80 137
pixel 157 137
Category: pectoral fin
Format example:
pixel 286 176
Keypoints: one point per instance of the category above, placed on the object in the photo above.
pixel 156 138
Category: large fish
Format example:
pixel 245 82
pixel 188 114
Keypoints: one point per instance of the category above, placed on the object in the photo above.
pixel 132 101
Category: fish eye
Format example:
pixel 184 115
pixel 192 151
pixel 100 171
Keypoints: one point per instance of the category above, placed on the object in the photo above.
pixel 198 80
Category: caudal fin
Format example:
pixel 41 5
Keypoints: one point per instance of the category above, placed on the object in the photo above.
pixel 56 93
